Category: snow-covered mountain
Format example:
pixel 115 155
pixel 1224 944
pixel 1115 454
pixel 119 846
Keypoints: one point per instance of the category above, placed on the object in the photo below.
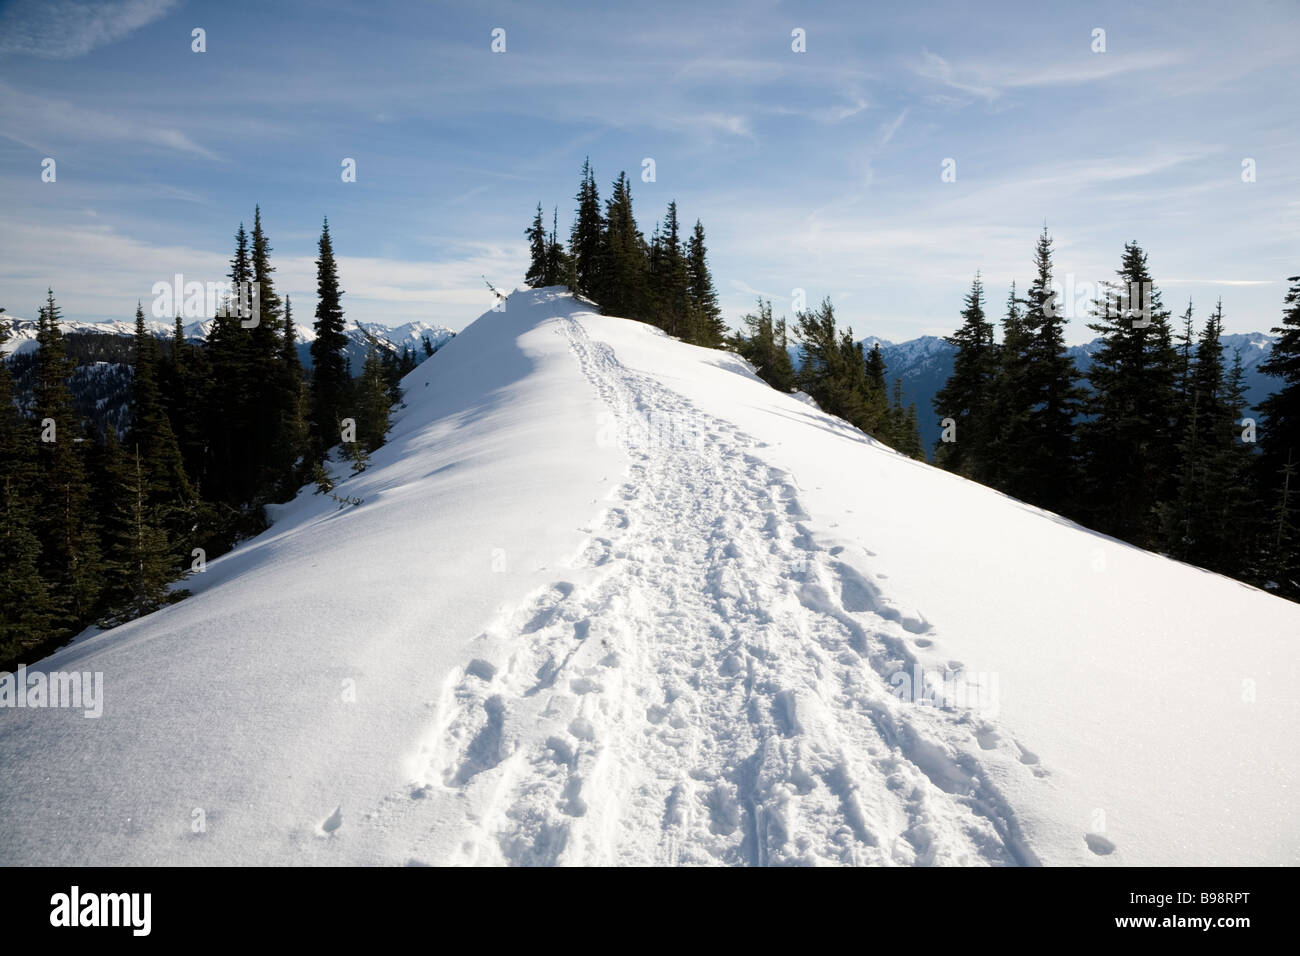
pixel 608 598
pixel 925 363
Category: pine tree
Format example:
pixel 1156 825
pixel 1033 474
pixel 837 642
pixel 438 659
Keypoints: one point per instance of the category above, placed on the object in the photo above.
pixel 587 239
pixel 1038 435
pixel 331 382
pixel 166 484
pixel 967 396
pixel 138 551
pixel 227 387
pixel 272 421
pixel 1280 412
pixel 1279 451
pixel 28 609
pixel 707 327
pixel 292 404
pixel 537 274
pixel 1201 523
pixel 626 262
pixel 670 279
pixel 1007 404
pixel 557 261
pixel 1127 443
pixel 372 403
pixel 765 348
pixel 70 558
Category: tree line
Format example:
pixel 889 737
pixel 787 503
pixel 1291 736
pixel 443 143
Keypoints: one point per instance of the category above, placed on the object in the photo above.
pixel 1153 444
pixel 666 282
pixel 96 523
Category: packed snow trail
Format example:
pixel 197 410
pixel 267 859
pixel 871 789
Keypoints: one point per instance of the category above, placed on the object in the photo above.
pixel 713 690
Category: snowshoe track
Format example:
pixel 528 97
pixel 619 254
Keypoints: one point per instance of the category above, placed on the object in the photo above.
pixel 716 692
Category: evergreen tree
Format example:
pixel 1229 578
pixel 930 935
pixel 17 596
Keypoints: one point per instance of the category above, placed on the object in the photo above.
pixel 1280 413
pixel 557 261
pixel 271 421
pixel 1202 523
pixel 292 404
pixel 536 276
pixel 967 396
pixel 331 382
pixel 372 403
pixel 765 348
pixel 166 485
pixel 224 474
pixel 139 556
pixel 587 239
pixel 28 608
pixel 1279 451
pixel 1038 434
pixel 1006 402
pixel 1128 441
pixel 70 558
pixel 707 327
pixel 670 279
pixel 626 260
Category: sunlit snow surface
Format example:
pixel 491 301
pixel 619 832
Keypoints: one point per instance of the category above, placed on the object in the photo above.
pixel 610 599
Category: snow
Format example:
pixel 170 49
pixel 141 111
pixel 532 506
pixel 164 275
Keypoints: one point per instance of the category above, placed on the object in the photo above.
pixel 610 599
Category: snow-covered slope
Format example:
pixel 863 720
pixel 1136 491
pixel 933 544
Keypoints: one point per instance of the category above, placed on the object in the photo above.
pixel 610 599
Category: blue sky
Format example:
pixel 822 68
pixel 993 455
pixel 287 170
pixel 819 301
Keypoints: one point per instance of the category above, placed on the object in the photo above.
pixel 818 171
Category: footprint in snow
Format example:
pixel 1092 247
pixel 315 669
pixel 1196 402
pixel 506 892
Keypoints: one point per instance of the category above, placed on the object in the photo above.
pixel 331 823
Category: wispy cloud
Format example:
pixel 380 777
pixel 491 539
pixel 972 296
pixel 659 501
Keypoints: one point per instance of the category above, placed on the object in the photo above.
pixel 41 122
pixel 990 80
pixel 64 29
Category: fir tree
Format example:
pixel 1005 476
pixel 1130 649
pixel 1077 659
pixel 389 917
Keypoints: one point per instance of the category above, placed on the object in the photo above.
pixel 372 403
pixel 557 260
pixel 626 261
pixel 587 239
pixel 765 348
pixel 70 558
pixel 967 396
pixel 1038 435
pixel 166 484
pixel 331 382
pixel 1280 412
pixel 537 274
pixel 1128 441
pixel 138 551
pixel 1279 450
pixel 670 279
pixel 707 327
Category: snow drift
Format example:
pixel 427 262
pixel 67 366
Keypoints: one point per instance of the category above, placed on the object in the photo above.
pixel 608 598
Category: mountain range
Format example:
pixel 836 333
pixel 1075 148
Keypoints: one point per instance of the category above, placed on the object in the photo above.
pixel 925 363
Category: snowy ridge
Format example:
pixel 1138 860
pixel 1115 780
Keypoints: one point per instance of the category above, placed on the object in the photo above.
pixel 610 599
pixel 651 715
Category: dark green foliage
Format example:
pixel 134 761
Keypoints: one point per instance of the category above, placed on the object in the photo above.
pixel 70 558
pixel 587 239
pixel 138 558
pixel 1036 424
pixel 705 318
pixel 967 397
pixel 626 265
pixel 1127 443
pixel 537 245
pixel 766 348
pixel 331 380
